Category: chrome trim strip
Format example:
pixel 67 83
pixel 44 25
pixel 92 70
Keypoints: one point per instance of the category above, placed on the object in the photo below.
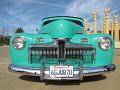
pixel 86 71
pixel 67 45
pixel 44 45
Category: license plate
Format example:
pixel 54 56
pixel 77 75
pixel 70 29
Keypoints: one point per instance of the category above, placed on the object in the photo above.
pixel 61 71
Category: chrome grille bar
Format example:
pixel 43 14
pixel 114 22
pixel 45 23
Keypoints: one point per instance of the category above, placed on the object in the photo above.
pixel 61 48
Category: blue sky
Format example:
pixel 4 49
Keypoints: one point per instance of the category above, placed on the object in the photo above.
pixel 28 13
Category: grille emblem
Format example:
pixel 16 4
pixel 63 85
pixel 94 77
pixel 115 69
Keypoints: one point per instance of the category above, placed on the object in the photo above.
pixel 83 40
pixel 39 39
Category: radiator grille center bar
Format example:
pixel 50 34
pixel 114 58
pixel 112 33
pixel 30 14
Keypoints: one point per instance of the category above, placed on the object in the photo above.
pixel 61 48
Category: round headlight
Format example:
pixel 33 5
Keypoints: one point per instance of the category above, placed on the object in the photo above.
pixel 18 42
pixel 105 43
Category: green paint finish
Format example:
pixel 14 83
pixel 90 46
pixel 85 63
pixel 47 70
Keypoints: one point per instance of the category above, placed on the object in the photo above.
pixel 102 57
pixel 21 56
pixel 61 28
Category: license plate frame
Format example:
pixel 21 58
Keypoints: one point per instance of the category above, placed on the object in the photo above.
pixel 59 71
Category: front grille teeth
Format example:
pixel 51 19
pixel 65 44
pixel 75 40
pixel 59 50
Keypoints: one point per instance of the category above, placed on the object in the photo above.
pixel 44 52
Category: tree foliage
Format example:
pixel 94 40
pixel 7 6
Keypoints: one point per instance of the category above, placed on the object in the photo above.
pixel 2 42
pixel 19 30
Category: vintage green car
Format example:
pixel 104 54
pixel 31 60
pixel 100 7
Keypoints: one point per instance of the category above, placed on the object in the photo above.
pixel 61 51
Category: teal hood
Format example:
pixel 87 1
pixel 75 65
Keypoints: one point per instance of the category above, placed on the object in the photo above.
pixel 62 27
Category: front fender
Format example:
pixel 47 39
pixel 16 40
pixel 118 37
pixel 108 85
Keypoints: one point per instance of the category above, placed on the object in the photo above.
pixel 102 57
pixel 20 57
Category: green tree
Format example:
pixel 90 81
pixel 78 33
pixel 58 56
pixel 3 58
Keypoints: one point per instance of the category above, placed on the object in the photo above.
pixel 2 42
pixel 19 30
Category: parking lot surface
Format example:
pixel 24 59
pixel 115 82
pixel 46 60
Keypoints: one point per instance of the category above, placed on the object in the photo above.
pixel 13 81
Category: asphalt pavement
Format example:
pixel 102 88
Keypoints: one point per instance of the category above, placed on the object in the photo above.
pixel 13 81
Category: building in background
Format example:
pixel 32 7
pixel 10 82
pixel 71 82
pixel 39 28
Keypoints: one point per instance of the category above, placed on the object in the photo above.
pixel 108 27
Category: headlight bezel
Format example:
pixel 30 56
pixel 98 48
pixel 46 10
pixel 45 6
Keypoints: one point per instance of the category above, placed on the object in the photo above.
pixel 14 41
pixel 105 38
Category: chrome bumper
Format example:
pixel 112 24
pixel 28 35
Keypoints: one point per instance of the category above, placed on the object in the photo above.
pixel 86 71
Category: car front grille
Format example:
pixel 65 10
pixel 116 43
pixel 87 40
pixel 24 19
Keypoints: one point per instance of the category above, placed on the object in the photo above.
pixel 54 51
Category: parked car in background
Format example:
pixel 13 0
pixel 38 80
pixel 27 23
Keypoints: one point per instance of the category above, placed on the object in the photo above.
pixel 61 51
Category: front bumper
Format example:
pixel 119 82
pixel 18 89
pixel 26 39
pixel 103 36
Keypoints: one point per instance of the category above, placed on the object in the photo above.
pixel 77 72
